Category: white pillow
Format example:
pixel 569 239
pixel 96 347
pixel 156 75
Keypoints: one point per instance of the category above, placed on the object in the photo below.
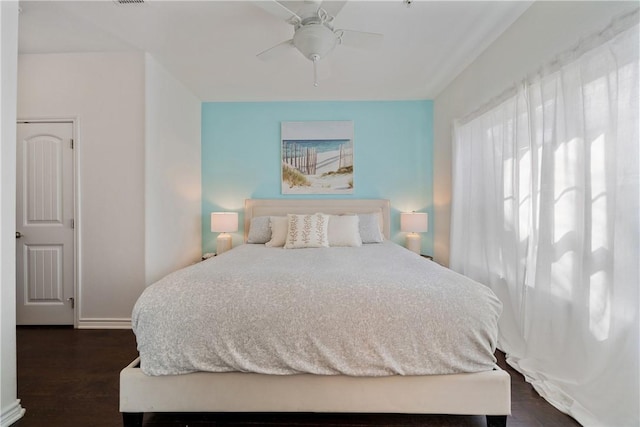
pixel 343 230
pixel 279 225
pixel 370 228
pixel 259 230
pixel 307 231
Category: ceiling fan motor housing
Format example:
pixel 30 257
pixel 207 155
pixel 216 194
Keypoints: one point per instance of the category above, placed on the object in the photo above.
pixel 314 40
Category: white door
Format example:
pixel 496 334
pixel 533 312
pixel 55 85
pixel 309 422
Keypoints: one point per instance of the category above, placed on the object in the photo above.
pixel 44 224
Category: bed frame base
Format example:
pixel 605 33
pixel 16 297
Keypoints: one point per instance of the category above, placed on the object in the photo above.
pixel 492 420
pixel 134 419
pixel 130 419
pixel 481 393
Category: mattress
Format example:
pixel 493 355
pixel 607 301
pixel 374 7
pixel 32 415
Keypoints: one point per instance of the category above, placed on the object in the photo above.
pixel 374 310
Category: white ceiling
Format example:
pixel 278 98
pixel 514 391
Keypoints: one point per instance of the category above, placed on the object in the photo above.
pixel 211 46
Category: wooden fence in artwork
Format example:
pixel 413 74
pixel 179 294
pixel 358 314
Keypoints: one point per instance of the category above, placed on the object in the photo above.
pixel 346 157
pixel 304 159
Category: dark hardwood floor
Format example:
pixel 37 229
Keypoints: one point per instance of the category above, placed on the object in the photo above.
pixel 69 377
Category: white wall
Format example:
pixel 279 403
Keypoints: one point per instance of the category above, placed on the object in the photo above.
pixel 105 92
pixel 10 408
pixel 173 179
pixel 545 30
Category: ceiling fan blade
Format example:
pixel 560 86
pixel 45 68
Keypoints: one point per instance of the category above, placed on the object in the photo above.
pixel 360 39
pixel 275 51
pixel 277 9
pixel 333 7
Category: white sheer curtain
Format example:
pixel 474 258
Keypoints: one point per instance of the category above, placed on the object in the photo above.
pixel 545 211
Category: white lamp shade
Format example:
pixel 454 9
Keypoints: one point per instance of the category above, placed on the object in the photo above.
pixel 414 222
pixel 224 222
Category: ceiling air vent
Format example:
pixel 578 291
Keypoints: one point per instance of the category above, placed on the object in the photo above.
pixel 125 2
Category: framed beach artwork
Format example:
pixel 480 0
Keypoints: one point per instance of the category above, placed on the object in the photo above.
pixel 317 157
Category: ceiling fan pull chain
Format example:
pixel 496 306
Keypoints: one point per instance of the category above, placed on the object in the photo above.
pixel 314 59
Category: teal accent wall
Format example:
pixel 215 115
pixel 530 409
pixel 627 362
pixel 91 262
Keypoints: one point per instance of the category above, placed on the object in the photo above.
pixel 393 156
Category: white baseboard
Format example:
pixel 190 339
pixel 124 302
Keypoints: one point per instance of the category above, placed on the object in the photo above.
pixel 13 413
pixel 104 324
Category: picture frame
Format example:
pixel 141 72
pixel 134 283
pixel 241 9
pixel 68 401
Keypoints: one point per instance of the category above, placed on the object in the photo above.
pixel 317 157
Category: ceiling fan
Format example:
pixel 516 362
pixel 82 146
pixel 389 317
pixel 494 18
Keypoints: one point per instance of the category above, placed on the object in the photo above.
pixel 313 33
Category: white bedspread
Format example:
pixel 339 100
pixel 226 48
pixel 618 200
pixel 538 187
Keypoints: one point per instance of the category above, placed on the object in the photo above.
pixel 374 310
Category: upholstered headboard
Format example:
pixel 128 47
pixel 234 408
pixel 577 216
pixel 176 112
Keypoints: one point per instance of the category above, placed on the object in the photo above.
pixel 276 207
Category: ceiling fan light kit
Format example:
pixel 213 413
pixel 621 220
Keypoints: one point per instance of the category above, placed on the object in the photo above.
pixel 314 36
pixel 314 40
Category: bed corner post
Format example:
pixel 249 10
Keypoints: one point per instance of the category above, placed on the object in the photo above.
pixel 496 421
pixel 132 419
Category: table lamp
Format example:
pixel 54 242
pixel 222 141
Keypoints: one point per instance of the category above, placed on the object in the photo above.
pixel 414 223
pixel 223 223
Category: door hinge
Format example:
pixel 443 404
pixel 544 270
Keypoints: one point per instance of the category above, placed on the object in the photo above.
pixel 73 302
pixel 73 223
pixel 72 143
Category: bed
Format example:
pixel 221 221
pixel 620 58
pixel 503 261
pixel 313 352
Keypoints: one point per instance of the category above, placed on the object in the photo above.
pixel 293 369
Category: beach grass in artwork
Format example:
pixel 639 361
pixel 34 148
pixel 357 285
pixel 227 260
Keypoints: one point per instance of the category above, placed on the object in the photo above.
pixel 294 177
pixel 318 165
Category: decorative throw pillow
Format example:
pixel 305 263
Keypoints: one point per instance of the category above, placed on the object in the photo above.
pixel 343 230
pixel 279 225
pixel 259 230
pixel 307 231
pixel 370 228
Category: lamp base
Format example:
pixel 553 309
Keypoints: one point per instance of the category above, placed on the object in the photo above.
pixel 223 243
pixel 413 242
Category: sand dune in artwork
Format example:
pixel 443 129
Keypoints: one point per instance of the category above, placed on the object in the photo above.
pixel 328 161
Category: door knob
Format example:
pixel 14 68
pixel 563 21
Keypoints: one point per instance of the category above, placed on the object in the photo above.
pixel 18 234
